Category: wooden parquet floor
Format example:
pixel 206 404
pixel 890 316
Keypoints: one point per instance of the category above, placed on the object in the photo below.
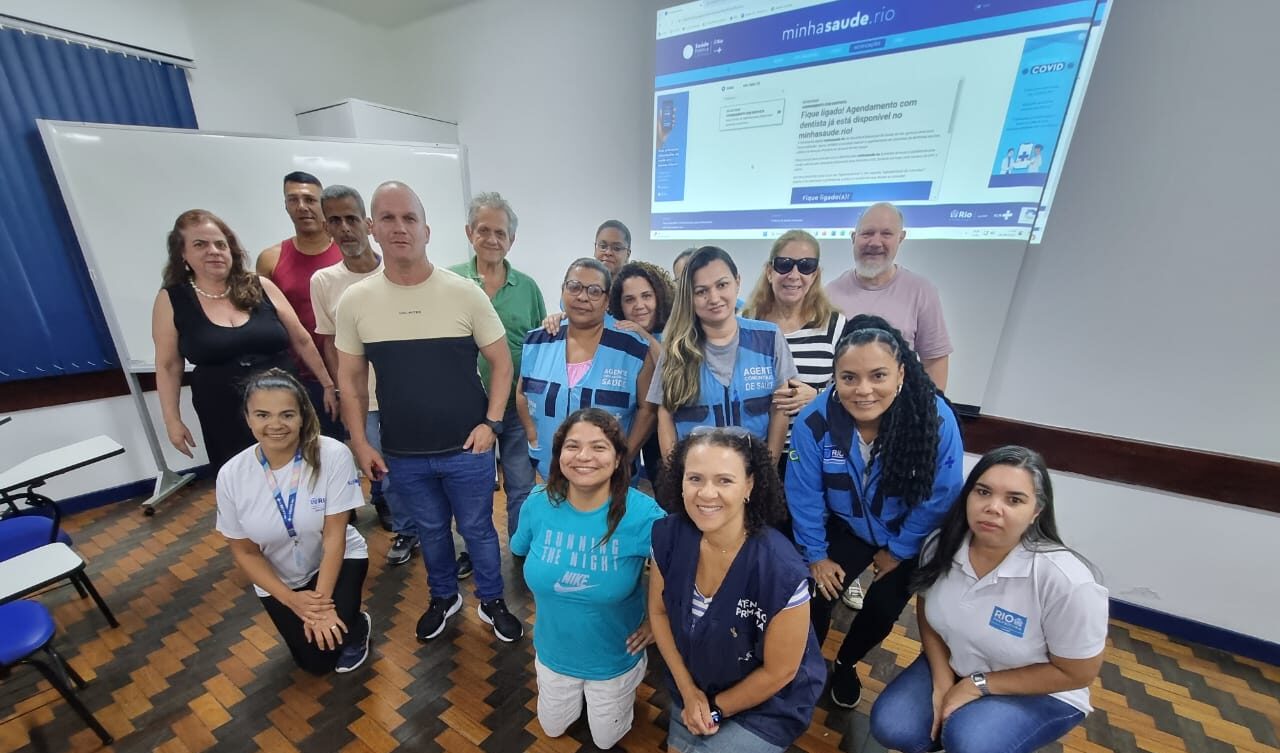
pixel 196 666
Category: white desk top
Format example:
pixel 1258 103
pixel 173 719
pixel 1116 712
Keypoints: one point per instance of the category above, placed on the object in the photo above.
pixel 37 568
pixel 59 461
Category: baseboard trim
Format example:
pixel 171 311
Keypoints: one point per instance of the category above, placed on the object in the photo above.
pixel 1197 632
pixel 121 493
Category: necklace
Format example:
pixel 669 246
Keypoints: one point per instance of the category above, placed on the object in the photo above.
pixel 196 288
pixel 734 545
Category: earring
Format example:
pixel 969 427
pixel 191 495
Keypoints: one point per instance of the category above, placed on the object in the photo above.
pixel 899 392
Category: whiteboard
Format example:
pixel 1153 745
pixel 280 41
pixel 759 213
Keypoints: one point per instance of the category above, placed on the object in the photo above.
pixel 125 185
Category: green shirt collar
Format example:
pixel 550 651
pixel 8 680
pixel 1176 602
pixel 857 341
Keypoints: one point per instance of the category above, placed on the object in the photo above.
pixel 473 268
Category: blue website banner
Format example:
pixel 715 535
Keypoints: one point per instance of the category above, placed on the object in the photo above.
pixel 670 150
pixel 899 191
pixel 938 215
pixel 1041 92
pixel 846 29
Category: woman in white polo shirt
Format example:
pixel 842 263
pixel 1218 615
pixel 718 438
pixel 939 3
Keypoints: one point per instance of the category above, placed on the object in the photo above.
pixel 283 505
pixel 1013 623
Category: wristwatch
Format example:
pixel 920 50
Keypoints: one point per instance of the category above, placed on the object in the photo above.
pixel 716 714
pixel 496 426
pixel 980 682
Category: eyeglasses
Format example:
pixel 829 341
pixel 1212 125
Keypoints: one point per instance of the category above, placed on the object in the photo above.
pixel 784 264
pixel 711 431
pixel 617 248
pixel 573 288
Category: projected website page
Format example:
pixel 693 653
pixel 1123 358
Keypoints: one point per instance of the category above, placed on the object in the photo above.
pixel 776 115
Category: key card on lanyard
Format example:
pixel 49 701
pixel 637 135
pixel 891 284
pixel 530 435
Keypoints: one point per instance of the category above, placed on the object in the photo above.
pixel 286 509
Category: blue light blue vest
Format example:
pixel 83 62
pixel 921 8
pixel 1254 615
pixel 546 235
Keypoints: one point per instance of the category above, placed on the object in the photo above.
pixel 610 384
pixel 748 399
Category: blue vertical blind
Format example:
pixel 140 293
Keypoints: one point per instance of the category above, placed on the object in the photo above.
pixel 52 324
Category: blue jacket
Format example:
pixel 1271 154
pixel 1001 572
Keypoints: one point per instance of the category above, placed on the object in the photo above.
pixel 748 400
pixel 727 643
pixel 611 384
pixel 826 476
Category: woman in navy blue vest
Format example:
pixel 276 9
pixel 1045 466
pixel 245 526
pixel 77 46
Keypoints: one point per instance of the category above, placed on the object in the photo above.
pixel 729 600
pixel 586 364
pixel 875 466
pixel 717 368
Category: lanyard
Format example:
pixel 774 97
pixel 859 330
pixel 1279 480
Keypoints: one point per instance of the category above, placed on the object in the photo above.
pixel 286 511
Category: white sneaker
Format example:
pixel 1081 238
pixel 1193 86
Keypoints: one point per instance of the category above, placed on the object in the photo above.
pixel 852 596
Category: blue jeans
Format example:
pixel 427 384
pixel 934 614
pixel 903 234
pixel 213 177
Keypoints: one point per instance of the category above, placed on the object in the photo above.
pixel 438 489
pixel 517 473
pixel 731 737
pixel 903 716
pixel 401 523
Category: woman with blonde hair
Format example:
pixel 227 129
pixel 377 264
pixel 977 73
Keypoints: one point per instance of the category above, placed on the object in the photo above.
pixel 717 368
pixel 789 294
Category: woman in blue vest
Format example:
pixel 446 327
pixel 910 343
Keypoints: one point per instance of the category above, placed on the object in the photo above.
pixel 640 300
pixel 718 369
pixel 583 365
pixel 875 466
pixel 729 601
pixel 587 536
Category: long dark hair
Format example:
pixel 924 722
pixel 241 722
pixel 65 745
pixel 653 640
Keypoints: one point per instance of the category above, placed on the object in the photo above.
pixel 658 279
pixel 1041 536
pixel 907 443
pixel 684 339
pixel 243 288
pixel 767 505
pixel 309 436
pixel 619 483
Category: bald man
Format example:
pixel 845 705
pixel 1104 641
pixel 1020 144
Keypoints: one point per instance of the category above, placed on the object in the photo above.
pixel 877 285
pixel 423 327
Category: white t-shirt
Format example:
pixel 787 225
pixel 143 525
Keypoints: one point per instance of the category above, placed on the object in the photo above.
pixel 1032 605
pixel 327 287
pixel 247 509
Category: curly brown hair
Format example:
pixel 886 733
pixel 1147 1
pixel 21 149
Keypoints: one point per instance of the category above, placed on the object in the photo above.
pixel 767 505
pixel 663 291
pixel 619 483
pixel 243 288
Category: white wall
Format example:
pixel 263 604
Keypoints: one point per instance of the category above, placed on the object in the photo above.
pixel 156 25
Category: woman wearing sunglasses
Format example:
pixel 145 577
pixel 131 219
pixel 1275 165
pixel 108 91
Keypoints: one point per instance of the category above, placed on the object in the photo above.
pixel 789 294
pixel 584 364
pixel 717 368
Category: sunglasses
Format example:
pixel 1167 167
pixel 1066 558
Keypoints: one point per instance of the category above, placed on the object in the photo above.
pixel 784 264
pixel 730 431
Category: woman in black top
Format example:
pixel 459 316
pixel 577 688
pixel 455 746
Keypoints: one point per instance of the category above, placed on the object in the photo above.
pixel 229 324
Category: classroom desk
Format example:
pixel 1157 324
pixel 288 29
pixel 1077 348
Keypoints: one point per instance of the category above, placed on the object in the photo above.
pixel 31 571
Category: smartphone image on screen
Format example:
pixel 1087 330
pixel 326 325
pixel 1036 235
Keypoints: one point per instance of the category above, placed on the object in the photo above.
pixel 668 119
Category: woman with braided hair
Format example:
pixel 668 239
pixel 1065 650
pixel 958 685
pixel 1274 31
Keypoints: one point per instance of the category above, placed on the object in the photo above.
pixel 875 467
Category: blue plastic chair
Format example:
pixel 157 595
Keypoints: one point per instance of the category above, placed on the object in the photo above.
pixel 26 629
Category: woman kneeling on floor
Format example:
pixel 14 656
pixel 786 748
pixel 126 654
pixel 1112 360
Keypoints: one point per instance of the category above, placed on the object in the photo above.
pixel 283 505
pixel 1012 622
pixel 586 536
pixel 729 600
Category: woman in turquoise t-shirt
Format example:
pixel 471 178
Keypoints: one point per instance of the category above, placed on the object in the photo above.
pixel 586 536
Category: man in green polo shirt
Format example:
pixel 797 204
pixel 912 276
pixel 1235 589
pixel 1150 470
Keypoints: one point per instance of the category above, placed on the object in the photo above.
pixel 491 228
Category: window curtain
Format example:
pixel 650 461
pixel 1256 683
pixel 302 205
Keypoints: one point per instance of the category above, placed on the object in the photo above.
pixel 52 323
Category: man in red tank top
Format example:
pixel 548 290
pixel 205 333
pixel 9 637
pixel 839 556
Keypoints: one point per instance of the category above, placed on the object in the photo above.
pixel 290 264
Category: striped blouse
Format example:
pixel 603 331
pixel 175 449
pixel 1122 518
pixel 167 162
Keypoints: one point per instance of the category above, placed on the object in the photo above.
pixel 813 350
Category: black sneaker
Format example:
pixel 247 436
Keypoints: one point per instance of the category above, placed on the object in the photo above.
pixel 437 616
pixel 401 549
pixel 505 625
pixel 384 513
pixel 357 649
pixel 464 566
pixel 846 688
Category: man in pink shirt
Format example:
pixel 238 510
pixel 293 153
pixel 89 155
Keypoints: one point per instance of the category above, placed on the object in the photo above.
pixel 876 285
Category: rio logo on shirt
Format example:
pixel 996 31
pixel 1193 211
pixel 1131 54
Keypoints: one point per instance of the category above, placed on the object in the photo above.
pixel 1008 622
pixel 832 454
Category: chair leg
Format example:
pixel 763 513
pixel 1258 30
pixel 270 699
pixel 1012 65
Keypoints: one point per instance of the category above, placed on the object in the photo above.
pixel 65 667
pixel 74 702
pixel 79 588
pixel 97 599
